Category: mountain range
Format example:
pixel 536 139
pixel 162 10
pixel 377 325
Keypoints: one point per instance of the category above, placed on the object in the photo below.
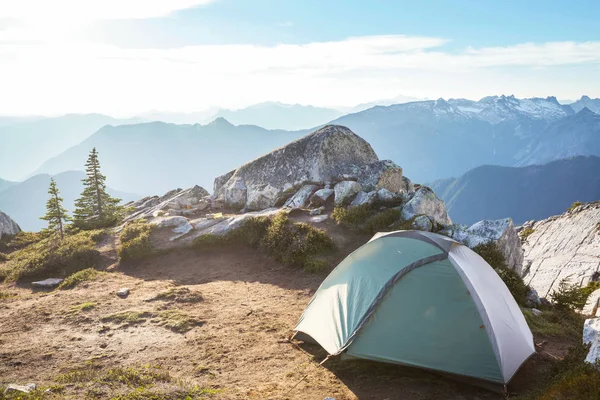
pixel 522 193
pixel 25 201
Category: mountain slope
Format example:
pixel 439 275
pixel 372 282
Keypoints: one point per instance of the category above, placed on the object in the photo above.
pixel 273 115
pixel 27 143
pixel 522 193
pixel 586 102
pixel 6 184
pixel 155 157
pixel 25 201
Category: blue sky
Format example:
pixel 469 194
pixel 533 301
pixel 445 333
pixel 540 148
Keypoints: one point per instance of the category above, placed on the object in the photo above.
pixel 124 57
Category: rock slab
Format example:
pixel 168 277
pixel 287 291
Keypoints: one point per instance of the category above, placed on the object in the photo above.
pixel 47 283
pixel 8 226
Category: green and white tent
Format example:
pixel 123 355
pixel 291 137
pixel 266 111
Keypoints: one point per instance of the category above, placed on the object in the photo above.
pixel 420 299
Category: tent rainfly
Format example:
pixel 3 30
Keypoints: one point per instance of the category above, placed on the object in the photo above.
pixel 420 299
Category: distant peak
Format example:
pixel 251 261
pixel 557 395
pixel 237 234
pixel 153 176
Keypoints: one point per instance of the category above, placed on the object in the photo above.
pixel 552 99
pixel 585 111
pixel 585 98
pixel 221 122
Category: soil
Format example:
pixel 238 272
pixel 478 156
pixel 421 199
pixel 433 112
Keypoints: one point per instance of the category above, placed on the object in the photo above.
pixel 250 306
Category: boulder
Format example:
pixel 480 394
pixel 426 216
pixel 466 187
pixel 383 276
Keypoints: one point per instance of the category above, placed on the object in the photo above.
pixel 8 226
pixel 591 327
pixel 325 155
pixel 384 196
pixel 363 198
pixel 47 283
pixel 565 247
pixel 382 174
pixel 501 231
pixel 180 225
pixel 536 312
pixel 317 211
pixel 427 203
pixel 345 192
pixel 319 218
pixel 320 197
pixel 174 202
pixel 422 223
pixel 301 197
pixel 533 299
pixel 123 292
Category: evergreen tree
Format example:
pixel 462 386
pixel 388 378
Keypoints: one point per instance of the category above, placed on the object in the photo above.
pixel 95 208
pixel 56 214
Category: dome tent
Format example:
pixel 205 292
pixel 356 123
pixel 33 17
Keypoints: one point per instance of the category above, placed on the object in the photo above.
pixel 420 299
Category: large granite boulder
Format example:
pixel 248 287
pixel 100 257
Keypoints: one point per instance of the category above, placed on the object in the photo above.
pixel 8 226
pixel 364 199
pixel 500 231
pixel 425 202
pixel 384 175
pixel 566 247
pixel 345 191
pixel 326 155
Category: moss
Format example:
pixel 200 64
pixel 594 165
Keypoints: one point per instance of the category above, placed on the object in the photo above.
pixel 493 256
pixel 128 317
pixel 178 321
pixel 51 256
pixel 178 295
pixel 85 275
pixel 135 241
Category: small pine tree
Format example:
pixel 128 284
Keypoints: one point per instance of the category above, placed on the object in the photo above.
pixel 56 214
pixel 95 208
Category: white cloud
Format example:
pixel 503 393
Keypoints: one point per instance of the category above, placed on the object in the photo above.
pixel 56 75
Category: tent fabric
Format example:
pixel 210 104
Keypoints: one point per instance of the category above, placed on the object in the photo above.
pixel 421 299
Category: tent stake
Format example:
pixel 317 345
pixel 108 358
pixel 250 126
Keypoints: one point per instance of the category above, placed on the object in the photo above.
pixel 307 374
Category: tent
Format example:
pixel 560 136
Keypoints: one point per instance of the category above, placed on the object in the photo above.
pixel 420 299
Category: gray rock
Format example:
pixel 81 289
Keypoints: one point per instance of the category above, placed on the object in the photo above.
pixel 8 226
pixel 317 211
pixel 123 292
pixel 382 174
pixel 533 299
pixel 47 283
pixel 180 225
pixel 422 223
pixel 536 312
pixel 319 218
pixel 320 197
pixel 20 388
pixel 363 198
pixel 204 223
pixel 425 202
pixel 592 302
pixel 384 196
pixel 591 328
pixel 566 247
pixel 301 197
pixel 345 192
pixel 324 155
pixel 173 202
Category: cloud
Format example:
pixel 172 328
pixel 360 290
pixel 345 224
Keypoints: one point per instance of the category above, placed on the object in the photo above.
pixel 55 75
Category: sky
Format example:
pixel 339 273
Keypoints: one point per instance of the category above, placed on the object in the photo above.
pixel 125 57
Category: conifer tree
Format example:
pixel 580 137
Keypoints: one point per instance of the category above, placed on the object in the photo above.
pixel 95 208
pixel 56 214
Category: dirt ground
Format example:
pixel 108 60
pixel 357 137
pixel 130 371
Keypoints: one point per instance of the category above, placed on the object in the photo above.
pixel 250 305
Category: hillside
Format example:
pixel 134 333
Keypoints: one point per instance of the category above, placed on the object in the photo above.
pixel 27 142
pixel 522 193
pixel 155 157
pixel 6 184
pixel 25 201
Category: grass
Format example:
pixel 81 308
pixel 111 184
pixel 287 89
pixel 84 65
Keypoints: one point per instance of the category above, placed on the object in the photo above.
pixel 291 243
pixel 525 233
pixel 135 241
pixel 51 256
pixel 6 295
pixel 128 317
pixel 368 220
pixel 85 275
pixel 3 257
pixel 178 295
pixel 178 321
pixel 10 243
pixel 352 217
pixel 574 206
pixel 87 306
pixel 557 323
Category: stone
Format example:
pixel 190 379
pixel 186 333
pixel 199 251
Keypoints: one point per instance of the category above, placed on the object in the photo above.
pixel 180 225
pixel 565 246
pixel 536 312
pixel 319 218
pixel 591 327
pixel 384 196
pixel 591 304
pixel 363 198
pixel 226 225
pixel 320 197
pixel 123 292
pixel 317 211
pixel 8 226
pixel 175 202
pixel 427 203
pixel 533 299
pixel 422 223
pixel 47 283
pixel 322 156
pixel 203 223
pixel 20 388
pixel 345 192
pixel 301 197
pixel 383 174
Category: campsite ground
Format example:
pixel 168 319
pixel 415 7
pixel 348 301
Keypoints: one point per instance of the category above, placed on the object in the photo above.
pixel 240 307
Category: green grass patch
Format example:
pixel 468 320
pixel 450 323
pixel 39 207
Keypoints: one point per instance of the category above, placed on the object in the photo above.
pixel 6 295
pixel 85 275
pixel 178 321
pixel 51 256
pixel 128 317
pixel 178 295
pixel 574 205
pixel 525 233
pixel 87 306
pixel 10 243
pixel 368 220
pixel 352 217
pixel 135 241
pixel 556 322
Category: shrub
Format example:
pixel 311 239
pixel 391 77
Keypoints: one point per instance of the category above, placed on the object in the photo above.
pixel 3 257
pixel 352 217
pixel 10 243
pixel 383 221
pixel 556 322
pixel 51 256
pixel 569 296
pixel 574 205
pixel 525 233
pixel 85 275
pixel 135 241
pixel 493 256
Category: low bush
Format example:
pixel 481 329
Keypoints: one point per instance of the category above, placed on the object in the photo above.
pixel 135 241
pixel 493 256
pixel 555 322
pixel 51 256
pixel 9 243
pixel 3 257
pixel 85 275
pixel 574 205
pixel 352 217
pixel 525 233
pixel 383 221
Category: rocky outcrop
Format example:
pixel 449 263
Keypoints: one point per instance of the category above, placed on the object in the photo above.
pixel 500 231
pixel 566 247
pixel 181 202
pixel 345 191
pixel 384 175
pixel 327 155
pixel 364 199
pixel 8 226
pixel 425 202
